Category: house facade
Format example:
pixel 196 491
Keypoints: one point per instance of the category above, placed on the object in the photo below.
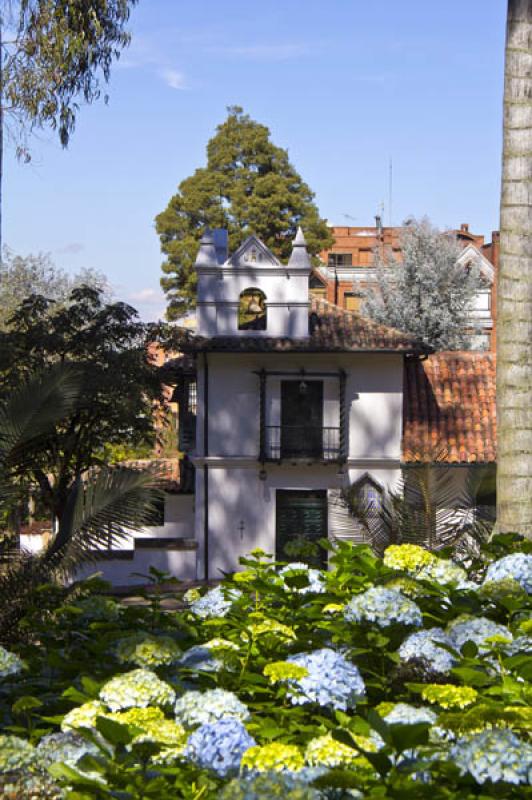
pixel 285 400
pixel 347 269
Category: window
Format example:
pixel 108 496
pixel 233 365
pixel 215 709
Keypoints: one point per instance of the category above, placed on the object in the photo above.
pixel 340 260
pixel 252 312
pixel 352 301
pixel 301 419
pixel 301 521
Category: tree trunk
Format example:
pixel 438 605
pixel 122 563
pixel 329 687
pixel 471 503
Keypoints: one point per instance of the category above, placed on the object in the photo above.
pixel 514 288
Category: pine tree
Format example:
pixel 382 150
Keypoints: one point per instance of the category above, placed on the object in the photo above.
pixel 427 294
pixel 248 186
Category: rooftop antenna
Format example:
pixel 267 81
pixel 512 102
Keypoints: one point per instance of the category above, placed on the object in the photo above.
pixel 390 187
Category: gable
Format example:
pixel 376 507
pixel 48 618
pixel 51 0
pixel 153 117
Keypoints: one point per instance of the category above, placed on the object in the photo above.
pixel 253 253
pixel 472 254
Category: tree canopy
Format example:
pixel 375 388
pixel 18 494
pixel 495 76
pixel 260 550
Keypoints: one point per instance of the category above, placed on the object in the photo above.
pixel 21 276
pixel 56 52
pixel 118 388
pixel 248 186
pixel 427 294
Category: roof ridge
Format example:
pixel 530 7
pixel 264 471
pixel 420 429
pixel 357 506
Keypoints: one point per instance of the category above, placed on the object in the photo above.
pixel 343 312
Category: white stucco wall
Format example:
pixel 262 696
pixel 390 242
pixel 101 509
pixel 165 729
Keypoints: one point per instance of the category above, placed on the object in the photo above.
pixel 373 399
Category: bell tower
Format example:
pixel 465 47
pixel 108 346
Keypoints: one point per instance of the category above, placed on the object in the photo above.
pixel 251 293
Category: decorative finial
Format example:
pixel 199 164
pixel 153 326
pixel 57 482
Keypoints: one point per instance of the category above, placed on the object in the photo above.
pixel 299 257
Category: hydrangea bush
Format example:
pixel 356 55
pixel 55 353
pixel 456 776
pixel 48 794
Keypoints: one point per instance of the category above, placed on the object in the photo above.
pixel 406 676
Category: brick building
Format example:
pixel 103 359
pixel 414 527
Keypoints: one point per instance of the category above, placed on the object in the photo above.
pixel 348 268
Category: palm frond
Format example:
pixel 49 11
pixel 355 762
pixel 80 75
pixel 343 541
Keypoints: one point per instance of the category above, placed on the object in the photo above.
pixel 428 508
pixel 29 413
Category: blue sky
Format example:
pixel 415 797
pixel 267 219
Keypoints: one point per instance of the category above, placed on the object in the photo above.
pixel 344 85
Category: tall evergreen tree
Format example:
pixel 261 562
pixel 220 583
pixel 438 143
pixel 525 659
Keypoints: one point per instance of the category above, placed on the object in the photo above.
pixel 248 186
pixel 427 294
pixel 514 288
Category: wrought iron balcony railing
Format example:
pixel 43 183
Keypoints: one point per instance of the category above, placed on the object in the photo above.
pixel 312 442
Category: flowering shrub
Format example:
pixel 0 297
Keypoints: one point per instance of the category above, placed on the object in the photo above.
pixel 141 687
pixel 479 630
pixel 494 755
pixel 332 680
pixel 274 757
pixel 406 676
pixel 216 603
pixel 219 745
pixel 425 644
pixel 10 664
pixel 145 650
pixel 384 607
pixel 197 708
pixel 516 566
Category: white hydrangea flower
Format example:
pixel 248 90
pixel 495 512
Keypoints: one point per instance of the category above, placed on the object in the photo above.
pixel 384 607
pixel 424 644
pixel 477 630
pixel 196 708
pixel 494 755
pixel 139 688
pixel 83 716
pixel 517 566
pixel 405 714
pixel 10 663
pixel 16 754
pixel 314 577
pixel 216 603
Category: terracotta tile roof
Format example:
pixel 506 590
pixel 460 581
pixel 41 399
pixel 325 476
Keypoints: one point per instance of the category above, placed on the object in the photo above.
pixel 449 408
pixel 332 329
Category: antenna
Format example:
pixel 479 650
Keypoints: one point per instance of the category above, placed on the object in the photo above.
pixel 390 186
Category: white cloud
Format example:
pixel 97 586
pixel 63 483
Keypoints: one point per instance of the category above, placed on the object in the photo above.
pixel 146 295
pixel 173 78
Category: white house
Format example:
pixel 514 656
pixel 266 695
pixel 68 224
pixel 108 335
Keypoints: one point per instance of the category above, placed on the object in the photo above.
pixel 284 401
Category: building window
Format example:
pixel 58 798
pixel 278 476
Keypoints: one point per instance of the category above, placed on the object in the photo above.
pixel 252 311
pixel 301 521
pixel 192 397
pixel 352 301
pixel 340 260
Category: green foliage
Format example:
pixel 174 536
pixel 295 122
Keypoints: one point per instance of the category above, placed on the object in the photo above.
pixel 117 385
pixel 427 294
pixel 103 507
pixel 60 51
pixel 396 742
pixel 22 276
pixel 248 186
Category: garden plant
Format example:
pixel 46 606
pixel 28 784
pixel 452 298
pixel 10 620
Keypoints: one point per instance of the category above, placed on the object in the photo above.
pixel 406 676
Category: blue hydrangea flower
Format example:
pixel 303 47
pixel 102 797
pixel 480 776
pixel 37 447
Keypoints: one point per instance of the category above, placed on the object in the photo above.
pixel 197 708
pixel 200 659
pixel 517 566
pixel 477 630
pixel 219 745
pixel 216 603
pixel 10 663
pixel 494 755
pixel 332 680
pixel 520 645
pixel 423 644
pixel 315 579
pixel 384 607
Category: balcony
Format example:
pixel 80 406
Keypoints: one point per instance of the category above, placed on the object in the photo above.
pixel 301 443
